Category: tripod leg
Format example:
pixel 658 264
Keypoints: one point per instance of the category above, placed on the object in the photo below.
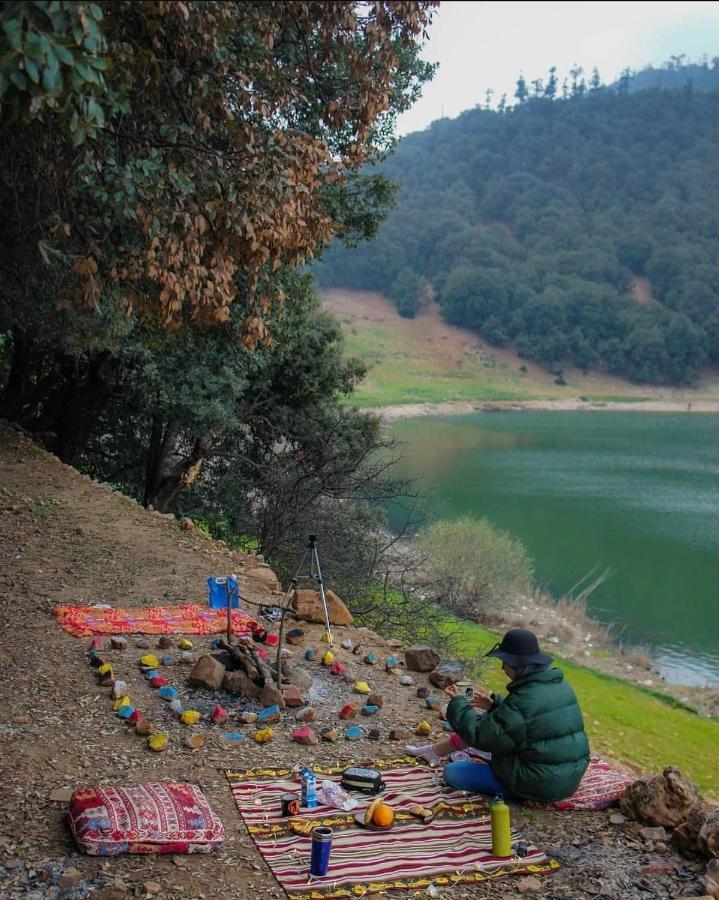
pixel 284 607
pixel 322 594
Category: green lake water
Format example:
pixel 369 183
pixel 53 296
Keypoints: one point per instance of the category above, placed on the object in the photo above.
pixel 634 492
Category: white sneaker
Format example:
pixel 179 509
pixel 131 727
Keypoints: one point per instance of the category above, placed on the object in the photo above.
pixel 426 753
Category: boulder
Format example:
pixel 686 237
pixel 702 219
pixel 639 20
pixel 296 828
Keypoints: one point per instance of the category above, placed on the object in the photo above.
pixel 300 678
pixel 308 606
pixel 239 684
pixel 664 799
pixel 708 839
pixel 295 637
pixel 421 659
pixel 262 573
pixel 446 673
pixel 207 672
pixel 711 878
pixel 271 695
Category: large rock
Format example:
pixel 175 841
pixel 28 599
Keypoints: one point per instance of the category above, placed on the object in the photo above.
pixel 447 673
pixel 271 695
pixel 207 672
pixel 308 606
pixel 708 840
pixel 664 799
pixel 421 659
pixel 263 573
pixel 686 835
pixel 300 677
pixel 239 684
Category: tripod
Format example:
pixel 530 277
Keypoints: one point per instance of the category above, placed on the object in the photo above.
pixel 315 574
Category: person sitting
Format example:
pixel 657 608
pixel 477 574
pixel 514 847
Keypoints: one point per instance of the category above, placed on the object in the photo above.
pixel 533 740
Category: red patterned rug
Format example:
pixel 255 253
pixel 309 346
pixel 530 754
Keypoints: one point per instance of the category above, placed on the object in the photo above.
pixel 600 787
pixel 454 848
pixel 88 620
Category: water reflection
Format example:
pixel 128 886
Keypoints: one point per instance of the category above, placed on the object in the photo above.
pixel 636 492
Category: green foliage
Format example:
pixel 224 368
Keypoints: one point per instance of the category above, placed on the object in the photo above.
pixel 474 565
pixel 534 224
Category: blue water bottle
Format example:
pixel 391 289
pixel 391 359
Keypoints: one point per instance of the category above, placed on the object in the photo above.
pixel 321 845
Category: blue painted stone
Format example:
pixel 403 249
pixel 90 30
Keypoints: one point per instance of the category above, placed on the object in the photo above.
pixel 215 643
pixel 167 660
pixel 167 692
pixel 431 700
pixel 309 654
pixel 354 733
pixel 151 673
pixel 371 659
pixel 268 713
pixel 124 712
pixel 369 710
pixel 392 663
pixel 236 736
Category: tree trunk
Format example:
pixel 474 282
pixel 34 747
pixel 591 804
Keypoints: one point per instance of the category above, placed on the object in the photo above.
pixel 183 474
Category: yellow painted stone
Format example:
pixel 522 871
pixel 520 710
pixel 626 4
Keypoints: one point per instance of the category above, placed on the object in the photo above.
pixel 149 660
pixel 423 728
pixel 328 658
pixel 264 735
pixel 185 644
pixel 326 638
pixel 361 687
pixel 105 669
pixel 157 742
pixel 190 717
pixel 121 701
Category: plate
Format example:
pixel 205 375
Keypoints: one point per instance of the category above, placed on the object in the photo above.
pixel 359 819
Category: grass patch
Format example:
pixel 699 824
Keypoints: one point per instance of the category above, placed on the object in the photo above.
pixel 629 723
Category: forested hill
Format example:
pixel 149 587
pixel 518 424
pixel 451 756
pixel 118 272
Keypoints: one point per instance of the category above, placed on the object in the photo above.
pixel 582 230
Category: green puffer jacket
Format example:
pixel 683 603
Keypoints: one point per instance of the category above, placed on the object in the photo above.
pixel 535 735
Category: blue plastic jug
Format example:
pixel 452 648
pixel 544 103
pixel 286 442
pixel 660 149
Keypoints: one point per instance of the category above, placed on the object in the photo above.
pixel 219 585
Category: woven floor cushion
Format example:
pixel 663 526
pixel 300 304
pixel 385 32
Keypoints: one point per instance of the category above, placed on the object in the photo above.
pixel 162 817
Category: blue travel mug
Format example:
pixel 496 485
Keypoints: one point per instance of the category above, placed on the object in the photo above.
pixel 321 844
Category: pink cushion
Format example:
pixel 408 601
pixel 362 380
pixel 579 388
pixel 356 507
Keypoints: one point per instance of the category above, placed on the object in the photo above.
pixel 162 817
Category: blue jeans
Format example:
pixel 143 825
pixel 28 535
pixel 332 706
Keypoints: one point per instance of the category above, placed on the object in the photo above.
pixel 475 777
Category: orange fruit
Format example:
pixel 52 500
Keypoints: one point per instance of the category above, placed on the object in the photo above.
pixel 383 816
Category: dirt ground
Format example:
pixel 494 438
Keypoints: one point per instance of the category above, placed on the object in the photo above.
pixel 67 540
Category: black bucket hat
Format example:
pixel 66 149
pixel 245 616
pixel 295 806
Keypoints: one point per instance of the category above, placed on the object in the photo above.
pixel 519 647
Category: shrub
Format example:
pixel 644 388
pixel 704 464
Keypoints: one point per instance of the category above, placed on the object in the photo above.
pixel 475 566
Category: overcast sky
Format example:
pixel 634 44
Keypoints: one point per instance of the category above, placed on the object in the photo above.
pixel 482 45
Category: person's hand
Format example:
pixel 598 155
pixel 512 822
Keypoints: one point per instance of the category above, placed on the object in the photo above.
pixel 452 690
pixel 481 700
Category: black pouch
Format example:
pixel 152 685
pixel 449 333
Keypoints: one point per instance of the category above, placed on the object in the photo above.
pixel 369 781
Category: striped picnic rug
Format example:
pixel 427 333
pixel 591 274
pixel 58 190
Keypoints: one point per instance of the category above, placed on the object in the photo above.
pixel 187 619
pixel 454 848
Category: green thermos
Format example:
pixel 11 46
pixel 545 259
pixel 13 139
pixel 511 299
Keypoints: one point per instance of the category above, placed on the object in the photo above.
pixel 501 828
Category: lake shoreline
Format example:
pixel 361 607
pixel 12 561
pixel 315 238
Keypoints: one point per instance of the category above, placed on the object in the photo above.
pixel 464 407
